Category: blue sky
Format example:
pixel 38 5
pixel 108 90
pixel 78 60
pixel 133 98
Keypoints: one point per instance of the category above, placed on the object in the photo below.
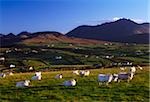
pixel 64 15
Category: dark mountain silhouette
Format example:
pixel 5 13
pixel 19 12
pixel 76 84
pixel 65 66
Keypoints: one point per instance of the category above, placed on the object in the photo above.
pixel 42 37
pixel 24 35
pixel 123 30
pixel 9 39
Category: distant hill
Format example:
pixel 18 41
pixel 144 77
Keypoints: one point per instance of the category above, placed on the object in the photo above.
pixel 123 30
pixel 9 39
pixel 55 37
pixel 41 38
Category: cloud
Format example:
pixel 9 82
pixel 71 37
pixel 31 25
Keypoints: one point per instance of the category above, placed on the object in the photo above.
pixel 133 19
pixel 92 22
pixel 138 20
pixel 98 22
pixel 116 18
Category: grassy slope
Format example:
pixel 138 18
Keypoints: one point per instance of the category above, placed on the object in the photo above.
pixel 87 89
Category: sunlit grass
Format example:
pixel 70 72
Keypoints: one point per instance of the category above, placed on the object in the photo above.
pixel 87 88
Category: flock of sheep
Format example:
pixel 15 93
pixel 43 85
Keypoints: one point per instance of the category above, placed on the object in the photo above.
pixel 102 78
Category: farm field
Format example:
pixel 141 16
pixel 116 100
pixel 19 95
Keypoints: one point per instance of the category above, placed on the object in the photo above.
pixel 44 56
pixel 87 88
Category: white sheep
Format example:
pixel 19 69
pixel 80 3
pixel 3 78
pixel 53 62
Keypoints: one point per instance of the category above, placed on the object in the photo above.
pixel 59 76
pixel 84 73
pixel 115 77
pixel 23 83
pixel 133 69
pixel 70 82
pixel 140 67
pixel 37 73
pixel 105 78
pixel 122 68
pixel 10 73
pixel 3 75
pixel 2 58
pixel 37 76
pixel 123 76
pixel 76 72
pixel 30 68
pixel 12 66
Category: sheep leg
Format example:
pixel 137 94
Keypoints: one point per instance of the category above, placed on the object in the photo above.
pixel 118 81
pixel 100 83
pixel 128 80
pixel 107 83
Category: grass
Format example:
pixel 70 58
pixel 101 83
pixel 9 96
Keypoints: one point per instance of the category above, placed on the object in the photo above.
pixel 72 56
pixel 37 64
pixel 87 88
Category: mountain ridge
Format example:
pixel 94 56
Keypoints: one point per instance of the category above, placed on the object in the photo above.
pixel 123 30
pixel 43 37
pixel 118 31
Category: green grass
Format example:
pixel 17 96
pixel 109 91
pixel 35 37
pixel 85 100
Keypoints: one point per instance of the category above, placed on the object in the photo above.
pixel 36 63
pixel 72 56
pixel 87 88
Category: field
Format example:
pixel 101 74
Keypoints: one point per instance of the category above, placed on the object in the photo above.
pixel 43 56
pixel 87 88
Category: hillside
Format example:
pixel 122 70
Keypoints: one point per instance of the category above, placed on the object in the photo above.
pixel 55 37
pixel 123 30
pixel 42 38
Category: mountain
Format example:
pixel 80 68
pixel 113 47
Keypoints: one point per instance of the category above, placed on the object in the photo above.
pixel 9 39
pixel 56 37
pixel 123 30
pixel 42 38
pixel 24 35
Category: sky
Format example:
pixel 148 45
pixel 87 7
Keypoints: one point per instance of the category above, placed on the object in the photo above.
pixel 64 15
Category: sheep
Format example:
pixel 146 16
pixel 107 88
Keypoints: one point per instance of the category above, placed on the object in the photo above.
pixel 97 56
pixel 23 83
pixel 2 58
pixel 3 75
pixel 7 51
pixel 133 70
pixel 84 73
pixel 52 45
pixel 86 56
pixel 105 78
pixel 58 57
pixel 37 73
pixel 9 73
pixel 59 76
pixel 70 82
pixel 123 76
pixel 34 51
pixel 115 77
pixel 81 73
pixel 76 72
pixel 37 76
pixel 122 68
pixel 140 67
pixel 12 66
pixel 30 68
